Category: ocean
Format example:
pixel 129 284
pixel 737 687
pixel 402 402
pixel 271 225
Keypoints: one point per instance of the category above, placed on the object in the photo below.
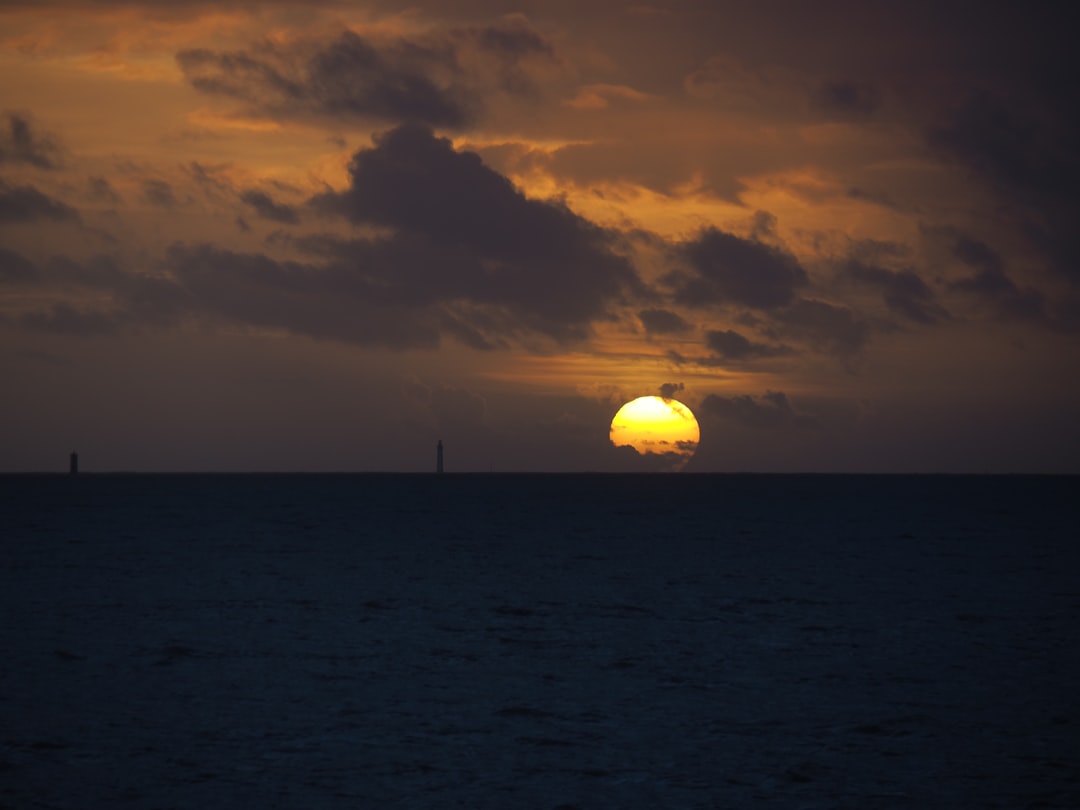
pixel 539 641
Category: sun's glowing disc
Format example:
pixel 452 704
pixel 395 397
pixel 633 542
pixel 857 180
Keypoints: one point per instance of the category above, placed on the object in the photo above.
pixel 664 430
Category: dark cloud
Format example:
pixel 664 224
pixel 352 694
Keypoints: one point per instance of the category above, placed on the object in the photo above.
pixel 828 327
pixel 20 143
pixel 770 411
pixel 463 254
pixel 267 208
pixel 726 269
pixel 990 281
pixel 872 196
pixel 158 192
pixel 420 79
pixel 846 99
pixel 512 38
pixel 873 251
pixel 1011 146
pixel 209 179
pixel 539 262
pixel 989 278
pixel 64 319
pixel 400 291
pixel 16 269
pixel 98 272
pixel 335 301
pixel 27 204
pixel 663 322
pixel 102 190
pixel 763 226
pixel 903 291
pixel 669 390
pixel 729 345
pixel 1023 147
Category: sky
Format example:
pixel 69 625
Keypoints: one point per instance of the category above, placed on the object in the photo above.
pixel 323 235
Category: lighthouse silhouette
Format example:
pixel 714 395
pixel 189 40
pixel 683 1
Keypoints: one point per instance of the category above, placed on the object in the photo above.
pixel 438 457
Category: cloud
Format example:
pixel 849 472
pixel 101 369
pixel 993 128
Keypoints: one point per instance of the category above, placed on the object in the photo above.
pixel 98 272
pixel 439 79
pixel 16 269
pixel 663 322
pixel 159 193
pixel 1009 147
pixel 516 269
pixel 537 261
pixel 903 291
pixel 64 319
pixel 331 302
pixel 460 253
pixel 771 411
pixel 601 96
pixel 726 269
pixel 267 208
pixel 990 281
pixel 27 204
pixel 1024 148
pixel 729 345
pixel 872 196
pixel 669 390
pixel 20 143
pixel 846 99
pixel 345 78
pixel 828 327
pixel 728 80
pixel 100 189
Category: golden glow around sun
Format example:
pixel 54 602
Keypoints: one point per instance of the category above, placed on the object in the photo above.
pixel 658 427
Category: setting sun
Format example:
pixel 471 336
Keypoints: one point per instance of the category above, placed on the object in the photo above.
pixel 658 427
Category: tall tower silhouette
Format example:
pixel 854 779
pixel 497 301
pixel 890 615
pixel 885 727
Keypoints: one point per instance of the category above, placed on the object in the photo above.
pixel 74 466
pixel 438 457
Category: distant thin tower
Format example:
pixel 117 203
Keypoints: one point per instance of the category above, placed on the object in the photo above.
pixel 438 457
pixel 74 465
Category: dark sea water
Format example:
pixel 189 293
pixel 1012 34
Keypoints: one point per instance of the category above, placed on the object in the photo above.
pixel 530 641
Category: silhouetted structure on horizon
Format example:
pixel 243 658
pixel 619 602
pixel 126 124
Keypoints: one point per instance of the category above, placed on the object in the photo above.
pixel 74 466
pixel 438 457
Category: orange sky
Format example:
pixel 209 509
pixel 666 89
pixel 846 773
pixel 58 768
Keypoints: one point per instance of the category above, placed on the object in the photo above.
pixel 297 236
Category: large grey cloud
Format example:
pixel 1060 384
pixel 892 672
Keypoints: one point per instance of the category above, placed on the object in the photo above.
pixel 727 269
pixel 420 79
pixel 463 253
pixel 535 260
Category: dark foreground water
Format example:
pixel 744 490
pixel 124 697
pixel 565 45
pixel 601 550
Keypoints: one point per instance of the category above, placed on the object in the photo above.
pixel 539 642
